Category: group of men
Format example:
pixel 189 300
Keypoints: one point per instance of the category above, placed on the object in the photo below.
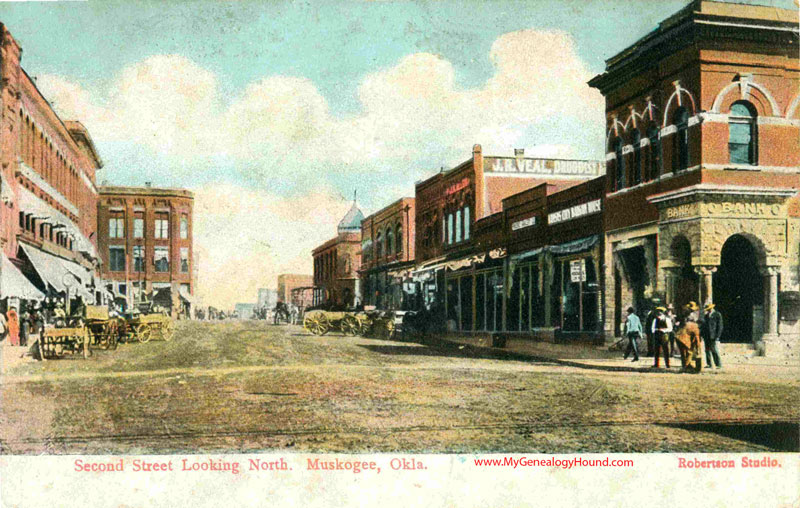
pixel 664 331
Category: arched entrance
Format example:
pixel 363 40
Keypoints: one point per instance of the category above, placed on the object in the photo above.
pixel 739 291
pixel 686 285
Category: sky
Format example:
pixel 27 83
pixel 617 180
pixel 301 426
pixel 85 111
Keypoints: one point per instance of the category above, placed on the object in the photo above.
pixel 274 113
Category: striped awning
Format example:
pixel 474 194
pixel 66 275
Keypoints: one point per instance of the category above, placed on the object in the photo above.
pixel 14 284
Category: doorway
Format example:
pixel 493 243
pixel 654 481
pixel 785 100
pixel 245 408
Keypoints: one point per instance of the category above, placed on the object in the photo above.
pixel 739 290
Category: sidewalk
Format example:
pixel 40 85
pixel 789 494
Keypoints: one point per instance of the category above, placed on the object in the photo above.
pixel 588 356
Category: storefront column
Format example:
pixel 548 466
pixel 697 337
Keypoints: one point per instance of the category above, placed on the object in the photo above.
pixel 669 285
pixel 771 299
pixel 706 284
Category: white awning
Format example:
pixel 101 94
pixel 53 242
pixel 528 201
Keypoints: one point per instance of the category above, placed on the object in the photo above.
pixel 14 284
pixel 58 272
pixel 186 295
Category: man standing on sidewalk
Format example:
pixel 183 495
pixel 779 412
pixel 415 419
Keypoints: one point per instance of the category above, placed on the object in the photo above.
pixel 711 332
pixel 663 327
pixel 633 330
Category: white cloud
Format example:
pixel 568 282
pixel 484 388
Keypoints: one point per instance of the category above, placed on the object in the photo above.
pixel 280 129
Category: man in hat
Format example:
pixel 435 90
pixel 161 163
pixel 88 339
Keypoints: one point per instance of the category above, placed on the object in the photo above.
pixel 688 339
pixel 663 327
pixel 711 332
pixel 633 330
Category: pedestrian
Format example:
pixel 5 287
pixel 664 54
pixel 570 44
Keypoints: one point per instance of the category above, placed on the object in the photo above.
pixel 649 327
pixel 663 327
pixel 13 326
pixel 711 332
pixel 688 339
pixel 633 330
pixel 24 327
pixel 673 349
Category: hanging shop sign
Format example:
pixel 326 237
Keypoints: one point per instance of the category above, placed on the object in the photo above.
pixel 575 212
pixel 577 270
pixel 524 223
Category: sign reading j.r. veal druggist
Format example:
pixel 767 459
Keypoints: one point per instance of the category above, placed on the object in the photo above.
pixel 543 166
pixel 575 212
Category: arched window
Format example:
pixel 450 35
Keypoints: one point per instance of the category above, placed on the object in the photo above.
pixel 389 241
pixel 636 141
pixel 654 166
pixel 620 165
pixel 466 223
pixel 680 158
pixel 742 138
pixel 398 238
pixel 379 246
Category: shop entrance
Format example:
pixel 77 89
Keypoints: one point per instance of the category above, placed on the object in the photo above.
pixel 686 285
pixel 739 291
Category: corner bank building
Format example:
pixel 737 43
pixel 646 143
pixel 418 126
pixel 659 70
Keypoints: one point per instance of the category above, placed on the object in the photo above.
pixel 703 170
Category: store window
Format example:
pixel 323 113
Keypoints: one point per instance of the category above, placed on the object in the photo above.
pixel 578 294
pixel 138 258
pixel 116 259
pixel 161 258
pixel 162 226
pixel 185 259
pixel 379 246
pixel 742 137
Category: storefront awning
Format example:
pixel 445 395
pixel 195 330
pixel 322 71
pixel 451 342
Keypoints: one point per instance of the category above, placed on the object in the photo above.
pixel 575 246
pixel 526 255
pixel 14 284
pixel 57 272
pixel 629 244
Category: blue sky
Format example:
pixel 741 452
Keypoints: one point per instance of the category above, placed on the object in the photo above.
pixel 298 104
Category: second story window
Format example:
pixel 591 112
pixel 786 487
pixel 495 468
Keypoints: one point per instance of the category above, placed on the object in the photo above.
pixel 138 225
pixel 458 225
pixel 619 182
pixel 161 258
pixel 742 133
pixel 116 259
pixel 184 227
pixel 654 164
pixel 636 141
pixel 185 259
pixel 449 228
pixel 466 223
pixel 680 157
pixel 389 241
pixel 116 227
pixel 162 226
pixel 398 235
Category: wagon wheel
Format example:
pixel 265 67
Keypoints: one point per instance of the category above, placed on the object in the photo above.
pixel 167 330
pixel 309 322
pixel 350 325
pixel 144 334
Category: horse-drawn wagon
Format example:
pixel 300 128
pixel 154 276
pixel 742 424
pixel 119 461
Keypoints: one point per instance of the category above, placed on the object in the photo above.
pixel 144 327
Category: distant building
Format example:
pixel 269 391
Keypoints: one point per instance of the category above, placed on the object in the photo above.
pixel 387 256
pixel 145 242
pixel 337 261
pixel 289 281
pixel 267 298
pixel 245 310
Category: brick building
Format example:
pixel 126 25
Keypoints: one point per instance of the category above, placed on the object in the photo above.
pixel 452 203
pixel 47 191
pixel 287 282
pixel 703 169
pixel 336 264
pixel 387 255
pixel 145 242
